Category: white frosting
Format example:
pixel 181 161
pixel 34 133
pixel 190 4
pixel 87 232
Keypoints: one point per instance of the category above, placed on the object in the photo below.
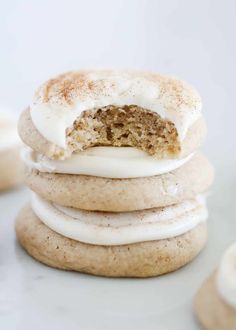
pixel 109 162
pixel 8 133
pixel 52 112
pixel 226 276
pixel 120 228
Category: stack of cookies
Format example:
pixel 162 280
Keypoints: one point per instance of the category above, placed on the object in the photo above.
pixel 117 180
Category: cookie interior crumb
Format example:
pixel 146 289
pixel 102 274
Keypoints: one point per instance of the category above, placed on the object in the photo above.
pixel 131 126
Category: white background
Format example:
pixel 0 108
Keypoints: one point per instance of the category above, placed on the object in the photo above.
pixel 194 40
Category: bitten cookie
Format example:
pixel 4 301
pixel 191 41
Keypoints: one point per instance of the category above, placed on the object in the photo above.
pixel 158 114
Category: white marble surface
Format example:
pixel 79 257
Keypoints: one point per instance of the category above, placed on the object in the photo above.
pixel 33 296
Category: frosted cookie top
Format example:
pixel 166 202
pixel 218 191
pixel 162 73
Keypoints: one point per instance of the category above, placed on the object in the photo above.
pixel 58 102
pixel 226 276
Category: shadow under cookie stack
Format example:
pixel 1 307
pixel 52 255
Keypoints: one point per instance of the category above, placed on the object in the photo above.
pixel 117 180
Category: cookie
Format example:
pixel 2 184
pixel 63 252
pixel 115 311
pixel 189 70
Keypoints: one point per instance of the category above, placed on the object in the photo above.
pixel 78 110
pixel 119 195
pixel 11 166
pixel 143 259
pixel 215 302
pixel 212 312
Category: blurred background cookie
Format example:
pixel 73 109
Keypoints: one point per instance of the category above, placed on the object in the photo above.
pixel 215 302
pixel 11 166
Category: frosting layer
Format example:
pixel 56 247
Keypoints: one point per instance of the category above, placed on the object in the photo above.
pixel 101 228
pixel 226 276
pixel 59 101
pixel 110 162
